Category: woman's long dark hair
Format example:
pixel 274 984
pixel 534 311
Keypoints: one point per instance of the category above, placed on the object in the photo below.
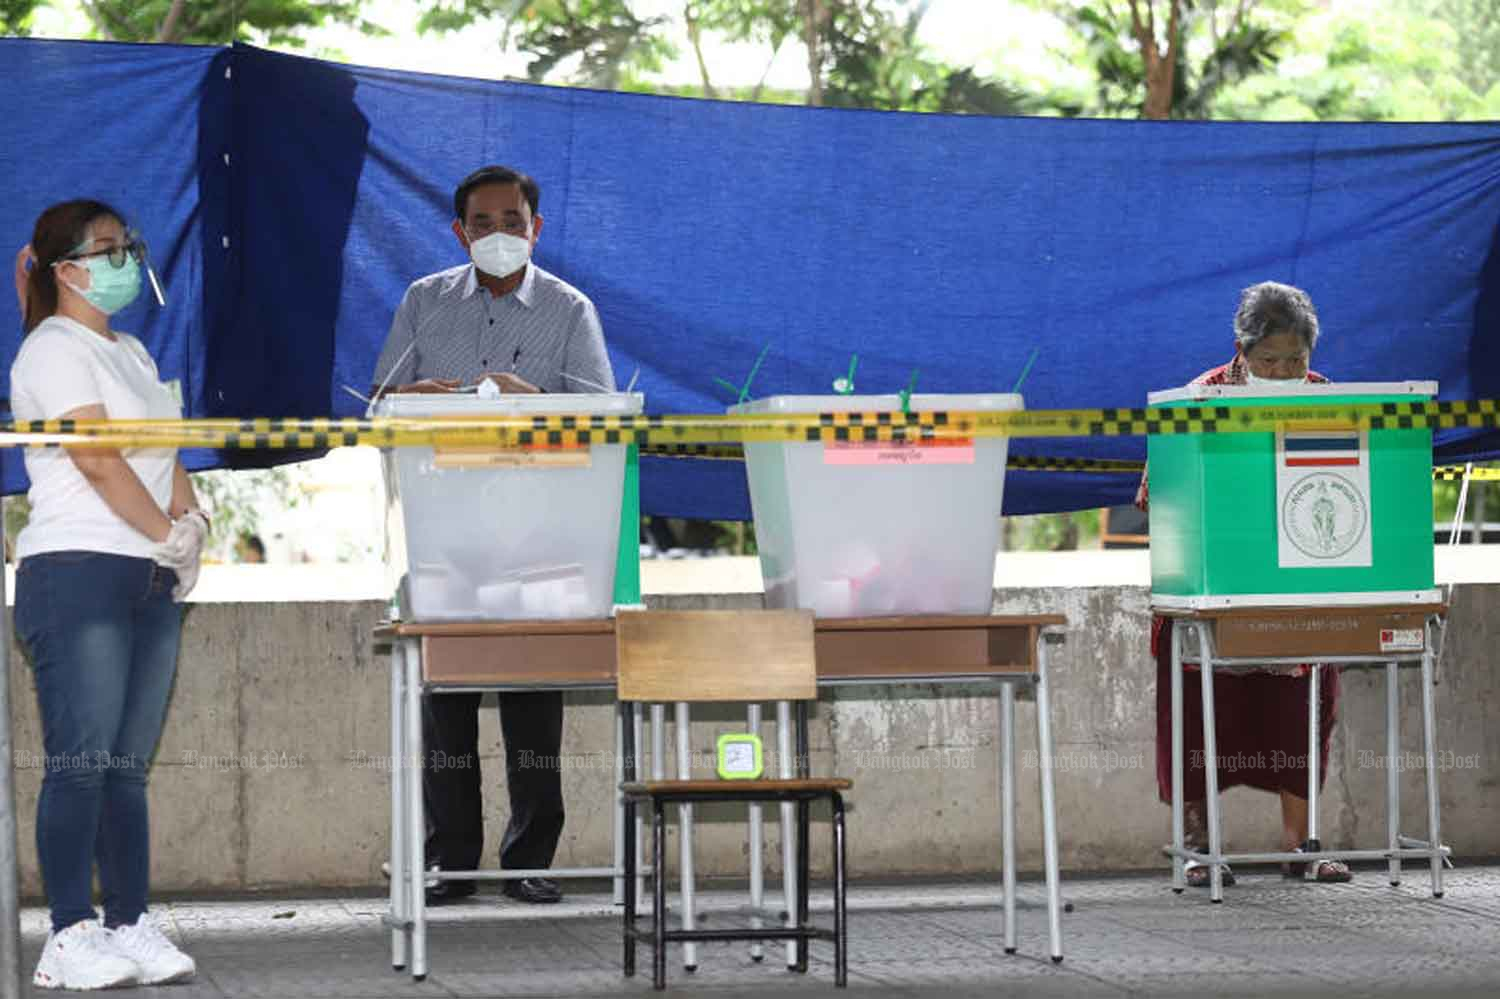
pixel 59 231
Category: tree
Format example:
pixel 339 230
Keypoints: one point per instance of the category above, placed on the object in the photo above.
pixel 218 21
pixel 1477 26
pixel 15 16
pixel 1172 58
pixel 1342 65
pixel 860 53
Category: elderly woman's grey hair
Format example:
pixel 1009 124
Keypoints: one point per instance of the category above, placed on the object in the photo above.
pixel 1269 308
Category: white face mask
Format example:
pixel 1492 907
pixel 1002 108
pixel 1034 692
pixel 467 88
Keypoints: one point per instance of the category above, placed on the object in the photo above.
pixel 1253 379
pixel 500 254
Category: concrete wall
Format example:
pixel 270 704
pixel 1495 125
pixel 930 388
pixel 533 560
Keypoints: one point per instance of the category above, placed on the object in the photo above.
pixel 271 771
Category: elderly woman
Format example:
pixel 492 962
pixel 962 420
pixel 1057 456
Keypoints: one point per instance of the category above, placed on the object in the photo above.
pixel 1261 716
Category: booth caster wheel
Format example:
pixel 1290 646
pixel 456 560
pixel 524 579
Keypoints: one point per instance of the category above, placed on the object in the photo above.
pixel 1010 950
pixel 1057 958
pixel 1067 907
pixel 690 968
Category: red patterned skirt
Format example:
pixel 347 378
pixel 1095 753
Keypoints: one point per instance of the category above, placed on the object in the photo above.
pixel 1261 725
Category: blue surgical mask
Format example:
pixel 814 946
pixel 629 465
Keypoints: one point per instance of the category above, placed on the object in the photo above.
pixel 110 288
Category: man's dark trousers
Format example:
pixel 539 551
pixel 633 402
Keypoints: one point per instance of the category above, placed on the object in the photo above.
pixel 531 726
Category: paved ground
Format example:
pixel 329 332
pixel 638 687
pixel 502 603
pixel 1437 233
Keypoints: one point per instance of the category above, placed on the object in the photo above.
pixel 1127 936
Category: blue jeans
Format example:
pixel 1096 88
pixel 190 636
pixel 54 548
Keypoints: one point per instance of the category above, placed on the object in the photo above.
pixel 102 633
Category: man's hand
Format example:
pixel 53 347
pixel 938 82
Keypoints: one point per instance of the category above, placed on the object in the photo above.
pixel 24 261
pixel 505 381
pixel 428 385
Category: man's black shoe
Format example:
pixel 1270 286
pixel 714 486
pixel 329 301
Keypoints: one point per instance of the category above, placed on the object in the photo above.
pixel 537 891
pixel 445 892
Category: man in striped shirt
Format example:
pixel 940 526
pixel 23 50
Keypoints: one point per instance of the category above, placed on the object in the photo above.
pixel 503 319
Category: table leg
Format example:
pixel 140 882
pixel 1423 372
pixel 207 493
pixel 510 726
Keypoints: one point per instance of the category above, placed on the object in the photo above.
pixel 1392 771
pixel 685 833
pixel 618 884
pixel 788 825
pixel 757 861
pixel 1008 810
pixel 1314 756
pixel 1210 764
pixel 400 934
pixel 1429 750
pixel 416 832
pixel 1179 880
pixel 1049 801
pixel 637 720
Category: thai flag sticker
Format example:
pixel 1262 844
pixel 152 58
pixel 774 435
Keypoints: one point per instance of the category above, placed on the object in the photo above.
pixel 1322 450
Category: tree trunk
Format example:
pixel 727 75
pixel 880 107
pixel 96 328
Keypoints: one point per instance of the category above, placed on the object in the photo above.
pixel 1161 67
pixel 814 14
pixel 695 35
pixel 167 32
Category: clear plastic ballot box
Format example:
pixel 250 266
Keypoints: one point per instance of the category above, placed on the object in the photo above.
pixel 1333 515
pixel 869 529
pixel 483 533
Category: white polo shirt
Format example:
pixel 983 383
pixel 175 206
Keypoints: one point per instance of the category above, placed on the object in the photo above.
pixel 61 366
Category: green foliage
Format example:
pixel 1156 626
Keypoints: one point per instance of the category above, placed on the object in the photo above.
pixel 865 53
pixel 1221 44
pixel 1052 532
pixel 1476 26
pixel 1445 501
pixel 219 21
pixel 236 501
pixel 1347 65
pixel 15 16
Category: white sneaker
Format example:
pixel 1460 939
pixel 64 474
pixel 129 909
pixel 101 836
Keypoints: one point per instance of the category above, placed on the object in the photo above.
pixel 158 958
pixel 83 957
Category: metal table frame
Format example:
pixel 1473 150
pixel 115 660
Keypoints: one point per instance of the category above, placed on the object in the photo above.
pixel 1204 624
pixel 579 655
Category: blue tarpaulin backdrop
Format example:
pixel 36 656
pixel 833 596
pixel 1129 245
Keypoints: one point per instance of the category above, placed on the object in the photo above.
pixel 289 202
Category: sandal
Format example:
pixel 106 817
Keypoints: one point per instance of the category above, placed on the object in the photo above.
pixel 1328 872
pixel 1196 873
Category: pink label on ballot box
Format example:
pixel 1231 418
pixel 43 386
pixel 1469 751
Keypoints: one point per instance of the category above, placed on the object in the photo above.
pixel 959 451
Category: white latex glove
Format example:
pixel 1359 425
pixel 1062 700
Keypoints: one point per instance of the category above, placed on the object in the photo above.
pixel 187 578
pixel 183 550
pixel 184 543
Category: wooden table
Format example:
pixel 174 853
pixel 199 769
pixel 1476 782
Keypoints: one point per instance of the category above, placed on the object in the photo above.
pixel 1243 638
pixel 439 657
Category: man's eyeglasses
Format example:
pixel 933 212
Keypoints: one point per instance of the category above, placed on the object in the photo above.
pixel 117 254
pixel 511 227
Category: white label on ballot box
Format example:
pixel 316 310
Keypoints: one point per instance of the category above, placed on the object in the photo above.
pixel 1401 640
pixel 944 451
pixel 540 457
pixel 1323 499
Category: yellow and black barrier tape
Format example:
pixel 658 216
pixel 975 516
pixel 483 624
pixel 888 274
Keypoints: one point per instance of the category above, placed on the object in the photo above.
pixel 561 430
pixel 1452 473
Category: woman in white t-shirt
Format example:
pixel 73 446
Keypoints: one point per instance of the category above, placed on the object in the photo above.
pixel 112 545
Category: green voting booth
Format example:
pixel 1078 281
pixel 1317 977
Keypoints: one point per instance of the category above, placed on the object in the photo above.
pixel 1335 515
